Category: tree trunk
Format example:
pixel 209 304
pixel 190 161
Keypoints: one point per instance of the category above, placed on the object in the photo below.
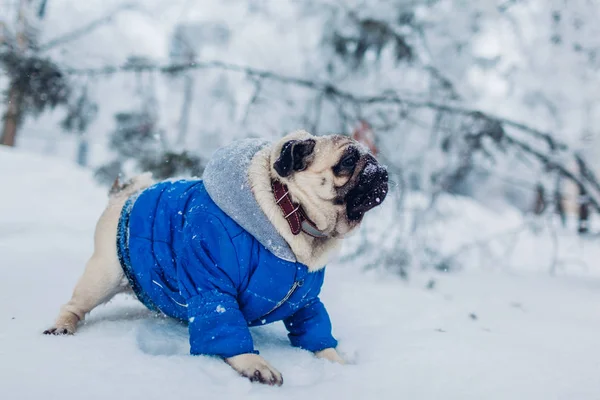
pixel 185 109
pixel 82 151
pixel 559 201
pixel 540 200
pixel 584 212
pixel 11 117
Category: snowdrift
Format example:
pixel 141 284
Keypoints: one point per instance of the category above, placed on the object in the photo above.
pixel 477 333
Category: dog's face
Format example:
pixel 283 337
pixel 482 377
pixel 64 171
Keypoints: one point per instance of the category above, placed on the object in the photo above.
pixel 333 178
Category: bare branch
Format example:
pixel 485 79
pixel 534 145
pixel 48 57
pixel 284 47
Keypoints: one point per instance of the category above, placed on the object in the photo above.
pixel 588 174
pixel 342 98
pixel 482 242
pixel 328 89
pixel 253 100
pixel 86 29
pixel 551 165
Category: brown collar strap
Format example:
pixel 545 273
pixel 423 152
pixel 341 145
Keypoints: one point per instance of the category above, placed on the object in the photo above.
pixel 293 213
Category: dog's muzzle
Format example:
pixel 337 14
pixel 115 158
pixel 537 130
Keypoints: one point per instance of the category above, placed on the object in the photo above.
pixel 370 191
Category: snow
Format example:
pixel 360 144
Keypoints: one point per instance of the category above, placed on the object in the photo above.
pixel 220 309
pixel 478 333
pixel 225 171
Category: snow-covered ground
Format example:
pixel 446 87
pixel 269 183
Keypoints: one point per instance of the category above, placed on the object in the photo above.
pixel 477 334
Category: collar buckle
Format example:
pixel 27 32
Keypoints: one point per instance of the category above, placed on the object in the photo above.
pixel 293 213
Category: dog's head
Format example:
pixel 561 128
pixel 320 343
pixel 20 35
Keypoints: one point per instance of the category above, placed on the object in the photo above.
pixel 334 178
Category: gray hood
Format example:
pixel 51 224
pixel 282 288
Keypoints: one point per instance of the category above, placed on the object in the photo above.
pixel 226 181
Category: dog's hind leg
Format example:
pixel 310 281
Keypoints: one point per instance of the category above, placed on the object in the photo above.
pixel 98 284
pixel 103 276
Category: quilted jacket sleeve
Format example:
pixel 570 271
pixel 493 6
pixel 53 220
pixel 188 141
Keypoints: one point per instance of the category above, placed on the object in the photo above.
pixel 208 275
pixel 310 327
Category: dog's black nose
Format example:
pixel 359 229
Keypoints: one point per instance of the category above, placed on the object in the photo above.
pixel 371 190
pixel 371 176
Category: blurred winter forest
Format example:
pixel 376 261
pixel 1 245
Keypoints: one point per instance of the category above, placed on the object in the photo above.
pixel 485 112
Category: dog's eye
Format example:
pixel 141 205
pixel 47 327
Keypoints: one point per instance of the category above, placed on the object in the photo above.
pixel 349 162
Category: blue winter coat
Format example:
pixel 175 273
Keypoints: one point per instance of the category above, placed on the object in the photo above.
pixel 222 268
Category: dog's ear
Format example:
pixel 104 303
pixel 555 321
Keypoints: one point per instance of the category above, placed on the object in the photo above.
pixel 295 156
pixel 116 186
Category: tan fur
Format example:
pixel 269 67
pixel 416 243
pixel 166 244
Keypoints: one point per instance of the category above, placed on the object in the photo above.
pixel 103 277
pixel 306 188
pixel 330 355
pixel 255 368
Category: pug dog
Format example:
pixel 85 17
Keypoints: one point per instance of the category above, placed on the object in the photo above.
pixel 244 246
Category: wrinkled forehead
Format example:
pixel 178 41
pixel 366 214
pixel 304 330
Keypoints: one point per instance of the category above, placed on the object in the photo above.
pixel 340 139
pixel 337 145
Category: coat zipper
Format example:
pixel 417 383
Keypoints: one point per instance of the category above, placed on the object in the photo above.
pixel 287 296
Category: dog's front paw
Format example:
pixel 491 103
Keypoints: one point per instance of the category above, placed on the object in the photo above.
pixel 330 354
pixel 66 324
pixel 58 331
pixel 255 368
